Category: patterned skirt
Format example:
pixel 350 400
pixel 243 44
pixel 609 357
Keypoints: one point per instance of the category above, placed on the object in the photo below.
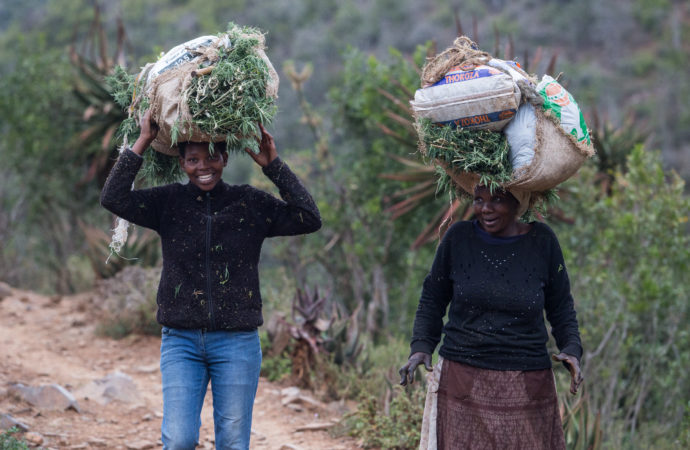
pixel 472 408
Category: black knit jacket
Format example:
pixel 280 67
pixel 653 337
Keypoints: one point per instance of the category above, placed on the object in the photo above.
pixel 211 240
pixel 498 293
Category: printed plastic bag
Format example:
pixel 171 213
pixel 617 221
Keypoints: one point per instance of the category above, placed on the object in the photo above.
pixel 562 105
pixel 469 96
pixel 521 136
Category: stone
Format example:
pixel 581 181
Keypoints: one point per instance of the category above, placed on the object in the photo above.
pixel 294 407
pixel 290 447
pixel 95 442
pixel 7 422
pixel 5 290
pixel 153 368
pixel 47 397
pixel 290 392
pixel 33 438
pixel 139 445
pixel 115 386
pixel 304 399
pixel 315 426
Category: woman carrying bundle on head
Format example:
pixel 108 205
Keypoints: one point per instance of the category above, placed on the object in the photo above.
pixel 209 302
pixel 493 386
pixel 493 277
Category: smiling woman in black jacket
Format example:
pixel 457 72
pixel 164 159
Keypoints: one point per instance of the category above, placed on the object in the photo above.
pixel 209 302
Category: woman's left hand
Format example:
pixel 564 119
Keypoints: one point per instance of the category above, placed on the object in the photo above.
pixel 267 149
pixel 574 368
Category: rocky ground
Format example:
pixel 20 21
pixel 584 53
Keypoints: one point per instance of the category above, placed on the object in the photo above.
pixel 71 389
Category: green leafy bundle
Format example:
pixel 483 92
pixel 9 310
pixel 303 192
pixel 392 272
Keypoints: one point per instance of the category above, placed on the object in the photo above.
pixel 232 99
pixel 479 151
pixel 483 152
pixel 229 101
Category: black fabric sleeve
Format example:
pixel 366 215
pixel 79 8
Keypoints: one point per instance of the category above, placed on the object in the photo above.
pixel 437 291
pixel 559 304
pixel 297 213
pixel 140 207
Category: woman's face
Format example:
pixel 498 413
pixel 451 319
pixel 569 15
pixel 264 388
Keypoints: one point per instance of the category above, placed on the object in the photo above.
pixel 497 212
pixel 203 169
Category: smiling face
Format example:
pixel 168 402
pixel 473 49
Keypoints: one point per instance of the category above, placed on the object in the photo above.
pixel 497 212
pixel 203 169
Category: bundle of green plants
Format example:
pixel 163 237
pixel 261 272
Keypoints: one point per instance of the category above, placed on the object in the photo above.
pixel 479 151
pixel 232 99
pixel 227 99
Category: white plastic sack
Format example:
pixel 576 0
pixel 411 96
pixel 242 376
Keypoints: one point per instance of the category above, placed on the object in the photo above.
pixel 476 96
pixel 521 136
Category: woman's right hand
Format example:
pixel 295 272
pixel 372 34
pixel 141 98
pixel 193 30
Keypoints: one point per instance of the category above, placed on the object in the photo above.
pixel 148 132
pixel 407 371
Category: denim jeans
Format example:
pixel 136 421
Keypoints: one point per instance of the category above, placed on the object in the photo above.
pixel 231 360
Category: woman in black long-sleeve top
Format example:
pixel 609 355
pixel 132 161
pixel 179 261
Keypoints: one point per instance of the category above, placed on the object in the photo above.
pixel 209 302
pixel 495 277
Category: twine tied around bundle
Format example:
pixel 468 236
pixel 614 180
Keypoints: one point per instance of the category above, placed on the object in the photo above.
pixel 463 52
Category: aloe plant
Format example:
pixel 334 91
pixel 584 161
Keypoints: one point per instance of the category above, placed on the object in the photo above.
pixel 101 115
pixel 142 248
pixel 581 427
pixel 317 329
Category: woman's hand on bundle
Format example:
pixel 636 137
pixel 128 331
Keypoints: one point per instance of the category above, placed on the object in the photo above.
pixel 148 132
pixel 574 368
pixel 267 149
pixel 407 371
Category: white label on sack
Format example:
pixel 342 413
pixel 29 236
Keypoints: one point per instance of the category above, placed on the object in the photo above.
pixel 183 53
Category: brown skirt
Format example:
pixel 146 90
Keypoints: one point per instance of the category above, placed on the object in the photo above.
pixel 494 409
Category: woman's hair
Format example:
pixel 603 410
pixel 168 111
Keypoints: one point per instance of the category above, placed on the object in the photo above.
pixel 221 147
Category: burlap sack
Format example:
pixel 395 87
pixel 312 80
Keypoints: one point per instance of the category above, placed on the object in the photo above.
pixel 169 106
pixel 557 157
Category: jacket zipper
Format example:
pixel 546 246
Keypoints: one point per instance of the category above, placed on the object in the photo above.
pixel 208 259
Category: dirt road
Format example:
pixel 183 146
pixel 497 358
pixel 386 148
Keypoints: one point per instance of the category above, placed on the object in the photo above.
pixel 46 340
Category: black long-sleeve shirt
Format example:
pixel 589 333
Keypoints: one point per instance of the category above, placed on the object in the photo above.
pixel 211 240
pixel 498 293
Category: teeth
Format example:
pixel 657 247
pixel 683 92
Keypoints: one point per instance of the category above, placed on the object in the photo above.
pixel 205 177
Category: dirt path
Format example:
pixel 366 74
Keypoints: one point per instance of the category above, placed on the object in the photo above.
pixel 45 340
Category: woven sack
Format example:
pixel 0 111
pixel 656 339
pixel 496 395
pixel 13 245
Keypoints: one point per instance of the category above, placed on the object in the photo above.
pixel 168 79
pixel 557 157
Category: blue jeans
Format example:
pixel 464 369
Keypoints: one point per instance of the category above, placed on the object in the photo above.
pixel 231 360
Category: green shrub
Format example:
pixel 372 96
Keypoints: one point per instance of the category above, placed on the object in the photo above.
pixel 273 367
pixel 628 257
pixel 127 303
pixel 399 428
pixel 9 442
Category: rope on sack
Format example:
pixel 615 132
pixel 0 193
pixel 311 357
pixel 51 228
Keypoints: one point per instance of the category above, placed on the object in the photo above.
pixel 120 232
pixel 463 51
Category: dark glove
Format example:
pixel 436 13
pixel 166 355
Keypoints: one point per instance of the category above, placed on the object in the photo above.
pixel 407 371
pixel 574 367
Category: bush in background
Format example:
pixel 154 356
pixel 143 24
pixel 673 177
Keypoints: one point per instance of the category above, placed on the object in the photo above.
pixel 126 303
pixel 628 258
pixel 9 442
